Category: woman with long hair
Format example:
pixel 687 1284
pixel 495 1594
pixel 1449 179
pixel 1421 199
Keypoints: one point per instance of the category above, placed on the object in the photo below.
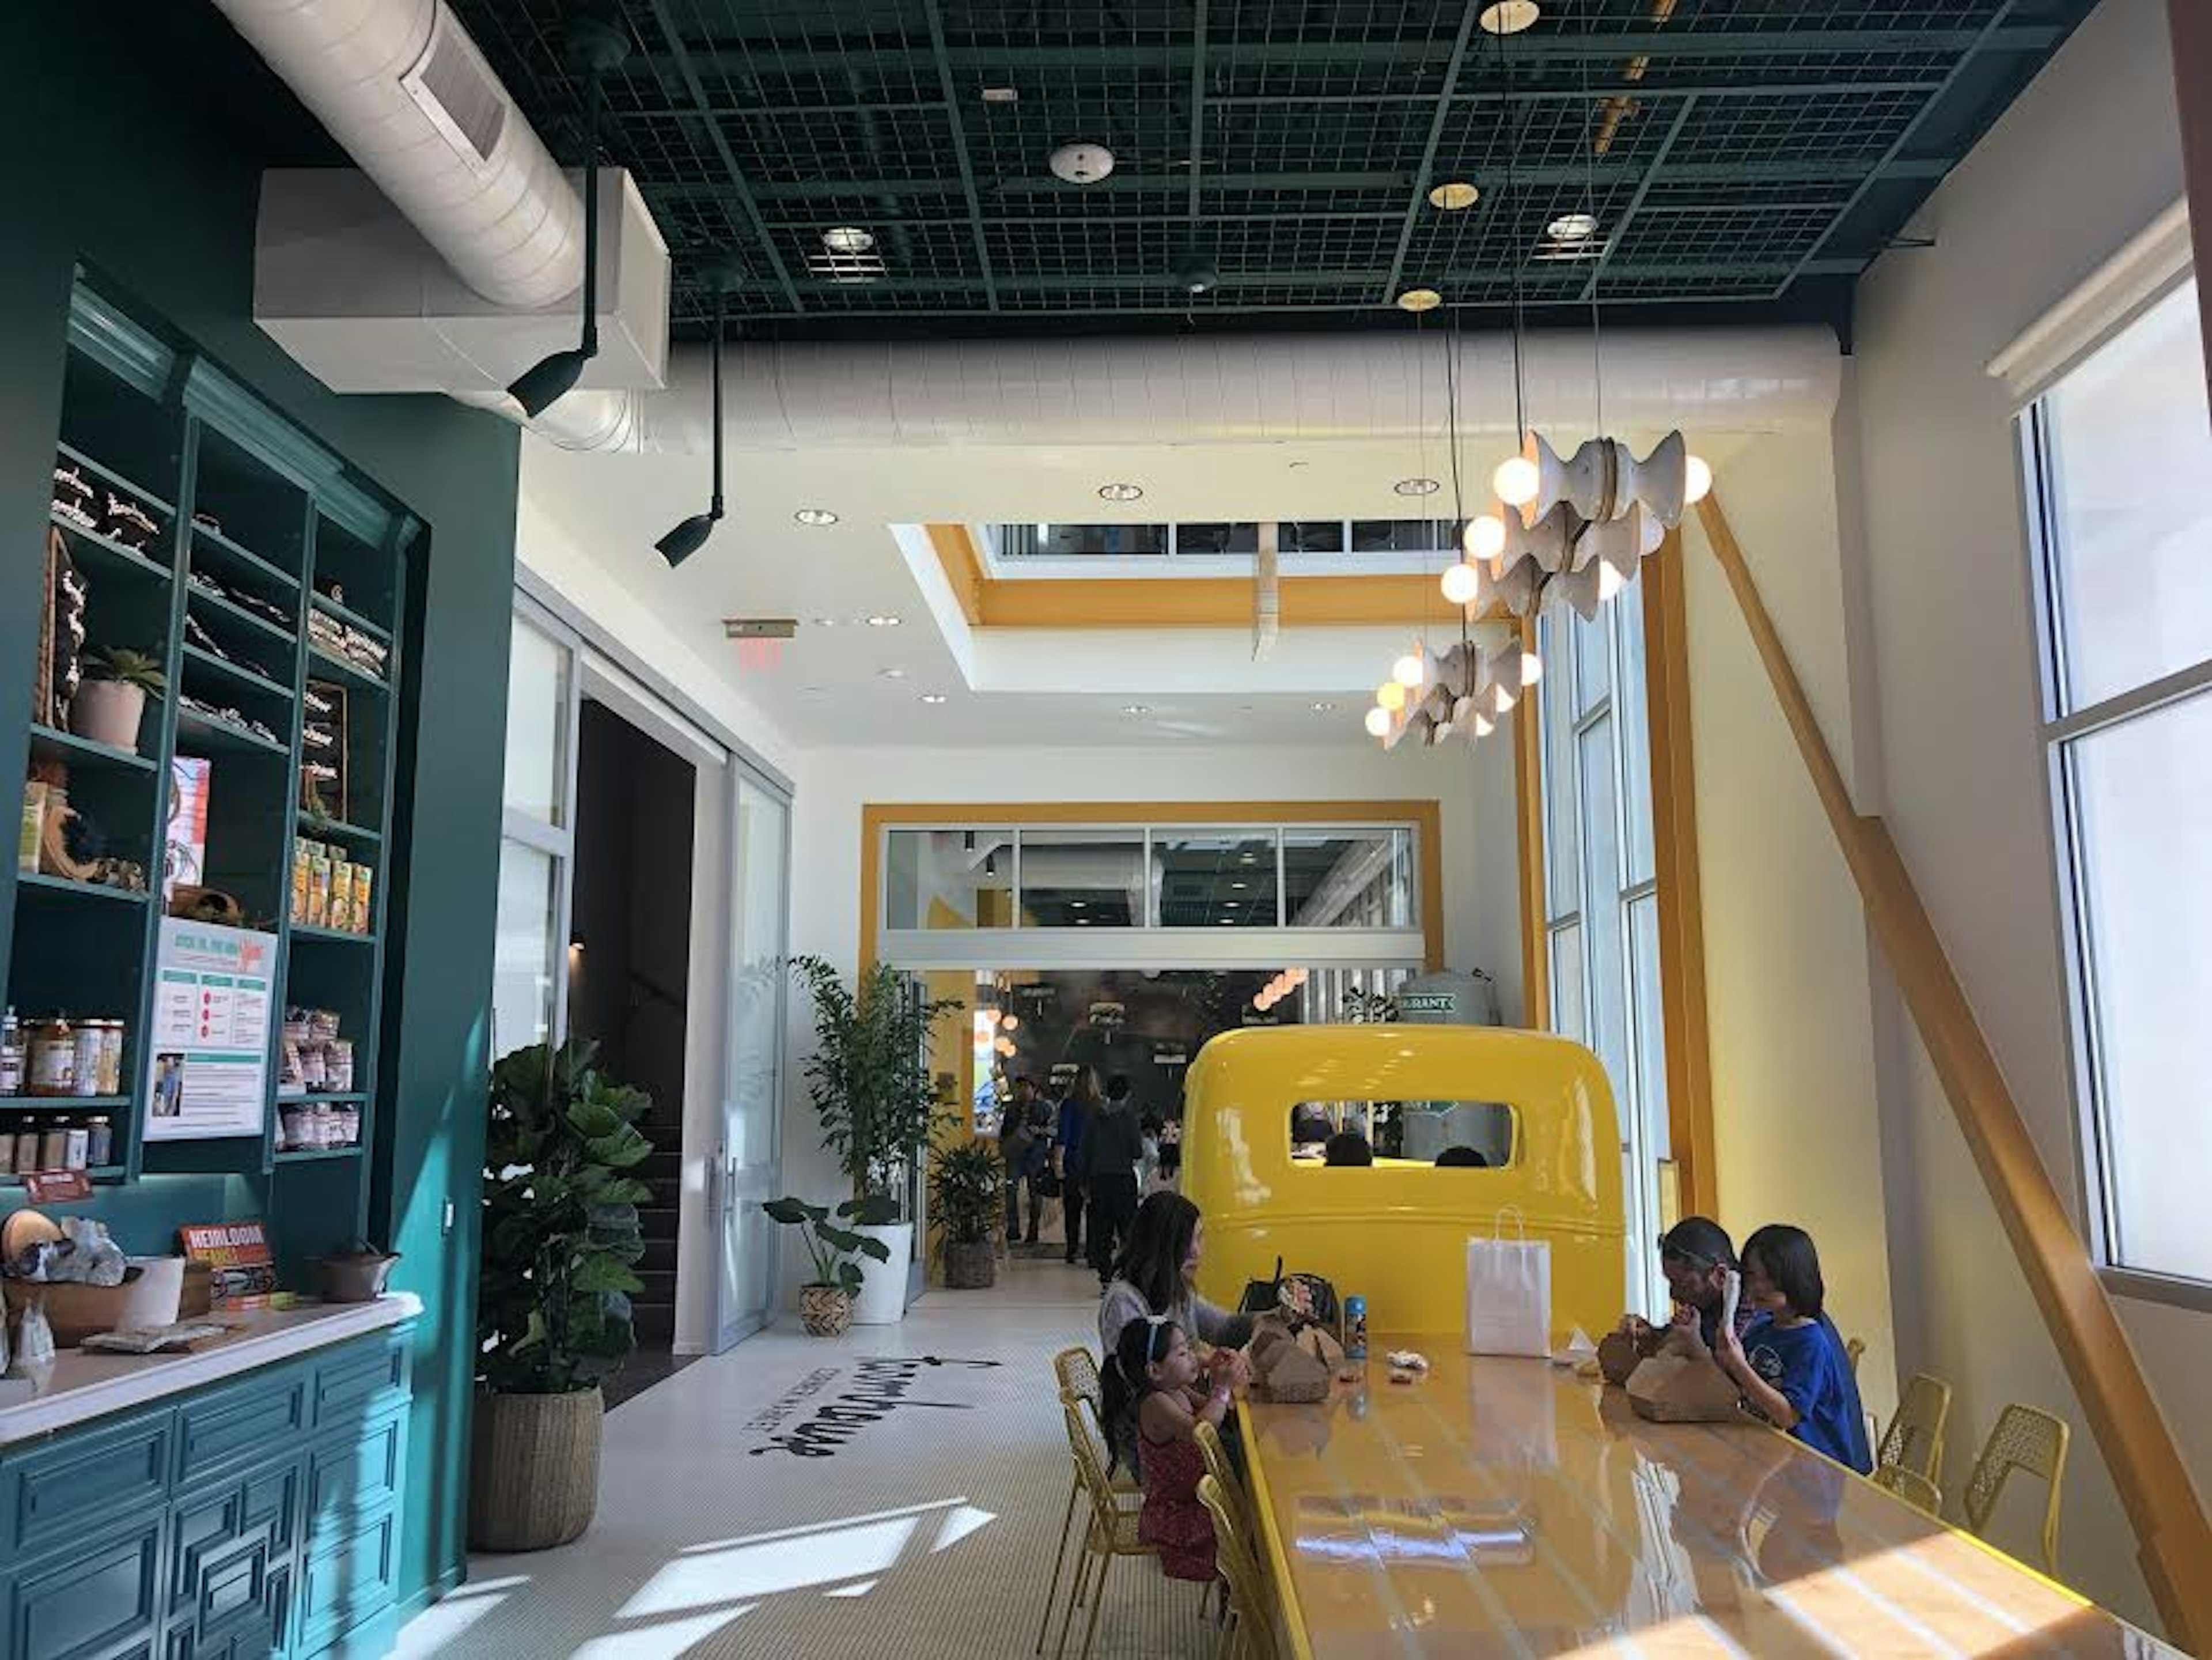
pixel 1155 1280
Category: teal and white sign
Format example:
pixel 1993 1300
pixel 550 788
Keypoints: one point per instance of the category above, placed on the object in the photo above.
pixel 208 1062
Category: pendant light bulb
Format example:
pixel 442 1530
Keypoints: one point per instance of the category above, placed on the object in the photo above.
pixel 1486 537
pixel 1378 722
pixel 1390 697
pixel 1461 584
pixel 1609 582
pixel 1484 726
pixel 1697 480
pixel 1532 668
pixel 1409 671
pixel 1517 482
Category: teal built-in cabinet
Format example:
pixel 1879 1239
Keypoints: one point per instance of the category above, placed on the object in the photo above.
pixel 259 1516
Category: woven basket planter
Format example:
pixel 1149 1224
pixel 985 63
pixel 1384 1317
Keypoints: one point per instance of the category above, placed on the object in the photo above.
pixel 970 1267
pixel 534 1469
pixel 825 1310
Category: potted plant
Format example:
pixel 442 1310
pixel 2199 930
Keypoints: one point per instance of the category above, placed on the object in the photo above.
pixel 108 706
pixel 869 1081
pixel 825 1302
pixel 967 1200
pixel 561 1234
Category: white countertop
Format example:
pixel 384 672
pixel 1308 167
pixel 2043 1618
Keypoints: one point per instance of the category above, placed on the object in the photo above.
pixel 80 1386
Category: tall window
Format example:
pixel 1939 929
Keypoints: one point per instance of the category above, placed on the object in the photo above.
pixel 1600 888
pixel 530 952
pixel 2117 453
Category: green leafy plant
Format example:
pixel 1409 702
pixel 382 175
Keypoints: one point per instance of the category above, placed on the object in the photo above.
pixel 966 1191
pixel 561 1231
pixel 869 1074
pixel 835 1250
pixel 127 667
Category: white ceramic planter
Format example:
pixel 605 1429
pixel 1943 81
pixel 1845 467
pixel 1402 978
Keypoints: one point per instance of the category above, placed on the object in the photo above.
pixel 882 1301
pixel 107 711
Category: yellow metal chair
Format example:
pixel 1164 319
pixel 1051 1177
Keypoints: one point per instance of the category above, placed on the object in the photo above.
pixel 2032 1441
pixel 1910 1485
pixel 1218 1466
pixel 1914 1439
pixel 1251 1633
pixel 1852 1352
pixel 1078 1376
pixel 1110 1532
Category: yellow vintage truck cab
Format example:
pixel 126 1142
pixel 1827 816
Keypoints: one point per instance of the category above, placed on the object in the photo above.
pixel 1396 1232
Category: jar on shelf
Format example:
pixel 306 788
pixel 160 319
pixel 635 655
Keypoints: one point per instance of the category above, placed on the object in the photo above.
pixel 50 1068
pixel 111 1058
pixel 76 1147
pixel 86 1067
pixel 54 1144
pixel 100 1143
pixel 30 1136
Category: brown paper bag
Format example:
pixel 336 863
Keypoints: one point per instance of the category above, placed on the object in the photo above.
pixel 1682 1385
pixel 1619 1353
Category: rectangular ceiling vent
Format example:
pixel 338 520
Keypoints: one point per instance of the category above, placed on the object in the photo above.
pixel 455 88
pixel 759 627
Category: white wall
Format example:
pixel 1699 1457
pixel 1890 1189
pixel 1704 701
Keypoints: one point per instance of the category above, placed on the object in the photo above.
pixel 2086 159
pixel 1473 793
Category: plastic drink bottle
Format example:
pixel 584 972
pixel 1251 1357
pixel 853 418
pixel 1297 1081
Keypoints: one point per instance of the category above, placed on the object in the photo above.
pixel 1355 1327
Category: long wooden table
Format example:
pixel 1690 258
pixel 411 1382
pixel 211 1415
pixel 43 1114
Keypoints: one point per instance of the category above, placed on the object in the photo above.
pixel 1505 1507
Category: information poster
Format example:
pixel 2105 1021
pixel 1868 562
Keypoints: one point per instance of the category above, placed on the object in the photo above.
pixel 209 1075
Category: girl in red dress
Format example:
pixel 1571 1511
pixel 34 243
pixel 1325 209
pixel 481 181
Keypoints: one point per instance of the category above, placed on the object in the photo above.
pixel 1155 1364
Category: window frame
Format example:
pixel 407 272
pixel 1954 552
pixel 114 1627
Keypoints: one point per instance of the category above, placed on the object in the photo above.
pixel 2059 727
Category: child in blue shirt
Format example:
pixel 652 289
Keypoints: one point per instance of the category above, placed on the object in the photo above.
pixel 1790 1363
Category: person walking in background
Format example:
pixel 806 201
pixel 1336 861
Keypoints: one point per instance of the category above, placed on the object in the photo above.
pixel 1017 1141
pixel 1114 1146
pixel 1071 1157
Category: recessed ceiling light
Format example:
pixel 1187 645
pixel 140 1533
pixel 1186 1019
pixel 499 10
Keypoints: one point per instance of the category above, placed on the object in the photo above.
pixel 847 238
pixel 1078 903
pixel 1419 299
pixel 1510 16
pixel 814 516
pixel 1120 492
pixel 1415 487
pixel 1002 94
pixel 1228 922
pixel 1573 228
pixel 1226 903
pixel 1324 708
pixel 1240 884
pixel 825 622
pixel 883 620
pixel 1453 195
pixel 1136 709
pixel 932 697
pixel 892 674
pixel 1082 921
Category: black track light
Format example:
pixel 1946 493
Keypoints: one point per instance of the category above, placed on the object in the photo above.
pixel 687 538
pixel 595 44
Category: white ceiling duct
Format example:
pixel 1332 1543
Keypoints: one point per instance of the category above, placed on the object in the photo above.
pixel 402 87
pixel 1226 389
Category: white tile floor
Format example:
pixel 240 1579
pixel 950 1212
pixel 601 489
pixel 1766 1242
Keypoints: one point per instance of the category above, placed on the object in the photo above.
pixel 927 1532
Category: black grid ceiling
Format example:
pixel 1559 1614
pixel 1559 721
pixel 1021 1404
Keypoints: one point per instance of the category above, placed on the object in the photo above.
pixel 1756 152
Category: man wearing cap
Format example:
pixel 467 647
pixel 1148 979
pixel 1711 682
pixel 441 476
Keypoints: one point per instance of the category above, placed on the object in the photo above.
pixel 1697 1256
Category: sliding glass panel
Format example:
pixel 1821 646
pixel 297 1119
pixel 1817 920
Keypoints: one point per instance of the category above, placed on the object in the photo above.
pixel 1593 659
pixel 949 879
pixel 1647 1016
pixel 1083 878
pixel 1634 708
pixel 1570 1018
pixel 1602 879
pixel 524 952
pixel 1213 879
pixel 1552 708
pixel 1217 538
pixel 537 713
pixel 1348 879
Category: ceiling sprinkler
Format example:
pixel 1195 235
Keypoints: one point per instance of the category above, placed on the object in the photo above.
pixel 1082 164
pixel 1196 275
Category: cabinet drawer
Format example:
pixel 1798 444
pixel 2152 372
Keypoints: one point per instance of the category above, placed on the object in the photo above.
pixel 350 1475
pixel 361 1380
pixel 233 1546
pixel 259 1418
pixel 83 1480
pixel 347 1579
pixel 96 1602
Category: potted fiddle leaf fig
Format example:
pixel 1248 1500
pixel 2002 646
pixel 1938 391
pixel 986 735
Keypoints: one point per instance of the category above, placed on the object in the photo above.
pixel 967 1201
pixel 825 1302
pixel 561 1240
pixel 869 1081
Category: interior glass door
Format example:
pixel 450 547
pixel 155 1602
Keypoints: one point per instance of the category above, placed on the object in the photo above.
pixel 748 1166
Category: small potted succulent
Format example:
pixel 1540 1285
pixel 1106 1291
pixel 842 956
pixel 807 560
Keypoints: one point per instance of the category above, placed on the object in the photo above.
pixel 108 705
pixel 967 1197
pixel 825 1302
pixel 355 1272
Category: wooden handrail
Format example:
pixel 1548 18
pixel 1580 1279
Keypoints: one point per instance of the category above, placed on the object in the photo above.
pixel 2174 1540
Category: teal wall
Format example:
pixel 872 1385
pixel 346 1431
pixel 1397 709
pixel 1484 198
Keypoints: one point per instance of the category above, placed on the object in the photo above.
pixel 115 152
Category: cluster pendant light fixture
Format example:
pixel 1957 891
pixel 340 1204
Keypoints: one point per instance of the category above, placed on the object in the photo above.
pixel 1568 533
pixel 596 44
pixel 1278 989
pixel 687 538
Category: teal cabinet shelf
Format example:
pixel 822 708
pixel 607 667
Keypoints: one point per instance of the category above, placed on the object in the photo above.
pixel 317 1155
pixel 347 671
pixel 37 883
pixel 205 601
pixel 52 743
pixel 331 830
pixel 215 552
pixel 309 931
pixel 354 619
pixel 64 1104
pixel 129 486
pixel 92 551
pixel 195 731
pixel 232 674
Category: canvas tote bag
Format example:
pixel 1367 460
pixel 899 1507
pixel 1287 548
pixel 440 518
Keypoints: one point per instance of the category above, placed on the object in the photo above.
pixel 1508 1291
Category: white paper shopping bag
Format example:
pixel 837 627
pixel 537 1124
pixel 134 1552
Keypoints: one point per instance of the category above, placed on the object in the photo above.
pixel 1508 1291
